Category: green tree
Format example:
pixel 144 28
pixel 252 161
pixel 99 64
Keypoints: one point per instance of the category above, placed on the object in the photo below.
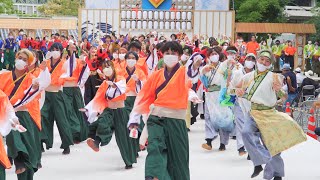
pixel 260 10
pixel 316 21
pixel 6 7
pixel 60 8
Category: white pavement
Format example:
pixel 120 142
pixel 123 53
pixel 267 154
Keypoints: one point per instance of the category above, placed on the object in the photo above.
pixel 301 162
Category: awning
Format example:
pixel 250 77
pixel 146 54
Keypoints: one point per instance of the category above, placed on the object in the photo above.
pixel 275 28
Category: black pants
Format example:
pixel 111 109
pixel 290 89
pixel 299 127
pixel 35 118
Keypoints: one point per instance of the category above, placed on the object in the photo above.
pixel 90 87
pixel 289 60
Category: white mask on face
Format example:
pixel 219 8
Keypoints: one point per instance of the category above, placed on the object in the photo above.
pixel 107 71
pixel 184 57
pixel 309 42
pixel 55 54
pixel 121 56
pixel 170 60
pixel 262 68
pixel 20 64
pixel 214 58
pixel 115 56
pixel 131 62
pixel 249 64
pixel 225 47
pixel 230 57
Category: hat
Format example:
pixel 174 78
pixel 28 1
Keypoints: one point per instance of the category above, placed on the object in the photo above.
pixel 286 67
pixel 250 55
pixel 298 70
pixel 266 53
pixel 309 73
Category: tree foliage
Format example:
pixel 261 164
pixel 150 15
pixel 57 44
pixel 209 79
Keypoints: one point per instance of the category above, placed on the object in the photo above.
pixel 316 21
pixel 260 10
pixel 6 7
pixel 60 8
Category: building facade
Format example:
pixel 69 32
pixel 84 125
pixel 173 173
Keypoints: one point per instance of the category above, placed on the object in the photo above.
pixel 299 10
pixel 28 6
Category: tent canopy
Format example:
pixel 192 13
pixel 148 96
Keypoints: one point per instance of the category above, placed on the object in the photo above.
pixel 275 28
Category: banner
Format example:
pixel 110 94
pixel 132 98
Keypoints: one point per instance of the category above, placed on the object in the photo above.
pixel 213 5
pixel 162 4
pixel 102 4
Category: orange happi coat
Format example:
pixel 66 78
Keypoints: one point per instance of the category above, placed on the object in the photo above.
pixel 173 95
pixel 131 83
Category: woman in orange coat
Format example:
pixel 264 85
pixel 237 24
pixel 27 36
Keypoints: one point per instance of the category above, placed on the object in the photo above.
pixel 20 86
pixel 8 120
pixel 165 98
pixel 107 114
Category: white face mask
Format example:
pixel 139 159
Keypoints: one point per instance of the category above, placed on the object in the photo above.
pixel 107 71
pixel 131 62
pixel 214 58
pixel 170 60
pixel 230 57
pixel 225 47
pixel 10 37
pixel 115 56
pixel 262 68
pixel 55 54
pixel 249 64
pixel 121 56
pixel 309 42
pixel 20 64
pixel 184 58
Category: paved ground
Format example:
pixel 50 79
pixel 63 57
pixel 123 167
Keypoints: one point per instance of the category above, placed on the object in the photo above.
pixel 301 162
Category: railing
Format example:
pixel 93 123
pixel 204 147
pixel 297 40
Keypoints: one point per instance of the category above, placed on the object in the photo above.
pixel 30 1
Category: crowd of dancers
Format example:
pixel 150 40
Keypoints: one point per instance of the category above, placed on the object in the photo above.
pixel 147 91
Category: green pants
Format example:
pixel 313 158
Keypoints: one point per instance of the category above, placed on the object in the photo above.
pixel 2 172
pixel 74 102
pixel 54 110
pixel 308 64
pixel 129 106
pixel 115 120
pixel 168 149
pixel 22 147
pixel 9 57
pixel 316 65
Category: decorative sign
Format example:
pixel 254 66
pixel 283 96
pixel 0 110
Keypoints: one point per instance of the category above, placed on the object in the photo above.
pixel 156 4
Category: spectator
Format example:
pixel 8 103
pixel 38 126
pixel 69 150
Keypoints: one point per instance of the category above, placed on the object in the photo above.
pixel 299 75
pixel 253 46
pixel 289 54
pixel 291 82
pixel 309 81
pixel 277 50
pixel 9 52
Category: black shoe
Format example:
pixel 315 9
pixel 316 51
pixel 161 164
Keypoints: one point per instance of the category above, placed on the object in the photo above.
pixel 193 120
pixel 277 178
pixel 66 151
pixel 202 116
pixel 222 147
pixel 257 171
pixel 242 151
pixel 248 157
pixel 149 178
pixel 42 149
pixel 128 167
pixel 234 137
